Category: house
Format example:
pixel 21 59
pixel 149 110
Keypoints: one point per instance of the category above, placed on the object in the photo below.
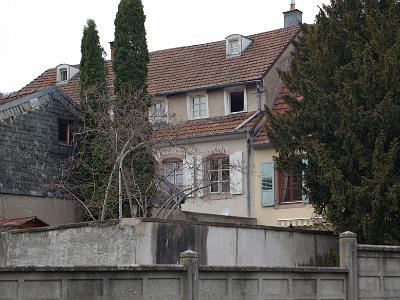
pixel 208 98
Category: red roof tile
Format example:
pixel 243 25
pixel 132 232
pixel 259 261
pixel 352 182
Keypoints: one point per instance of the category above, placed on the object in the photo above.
pixel 21 222
pixel 192 67
pixel 207 127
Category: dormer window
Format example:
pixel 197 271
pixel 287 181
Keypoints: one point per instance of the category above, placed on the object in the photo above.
pixel 236 44
pixel 234 47
pixel 64 74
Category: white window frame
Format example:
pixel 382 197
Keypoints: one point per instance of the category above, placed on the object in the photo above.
pixel 220 181
pixel 189 101
pixel 177 170
pixel 227 99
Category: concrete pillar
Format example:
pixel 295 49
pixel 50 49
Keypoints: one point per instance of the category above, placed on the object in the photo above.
pixel 190 260
pixel 348 260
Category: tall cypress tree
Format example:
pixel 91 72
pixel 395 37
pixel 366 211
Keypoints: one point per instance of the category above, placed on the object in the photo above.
pixel 130 68
pixel 131 54
pixel 347 68
pixel 93 166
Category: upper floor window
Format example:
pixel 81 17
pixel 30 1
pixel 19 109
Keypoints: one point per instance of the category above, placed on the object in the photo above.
pixel 173 172
pixel 235 100
pixel 198 106
pixel 234 46
pixel 63 74
pixel 65 134
pixel 158 113
pixel 218 174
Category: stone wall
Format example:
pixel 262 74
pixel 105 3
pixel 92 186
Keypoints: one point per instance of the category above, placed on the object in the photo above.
pixel 30 158
pixel 30 152
pixel 149 241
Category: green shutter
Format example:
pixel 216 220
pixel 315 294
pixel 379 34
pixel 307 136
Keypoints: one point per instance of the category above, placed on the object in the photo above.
pixel 267 184
pixel 304 197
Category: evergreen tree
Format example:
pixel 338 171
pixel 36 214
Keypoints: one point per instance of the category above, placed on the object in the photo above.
pixel 347 69
pixel 131 54
pixel 93 166
pixel 130 68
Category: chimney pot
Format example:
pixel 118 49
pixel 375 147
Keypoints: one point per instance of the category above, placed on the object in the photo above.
pixel 293 5
pixel 112 50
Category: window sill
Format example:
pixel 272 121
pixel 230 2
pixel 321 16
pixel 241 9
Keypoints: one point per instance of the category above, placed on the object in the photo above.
pixel 284 205
pixel 199 118
pixel 220 196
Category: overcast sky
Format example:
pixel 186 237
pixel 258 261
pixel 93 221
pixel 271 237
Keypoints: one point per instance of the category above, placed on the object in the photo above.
pixel 40 34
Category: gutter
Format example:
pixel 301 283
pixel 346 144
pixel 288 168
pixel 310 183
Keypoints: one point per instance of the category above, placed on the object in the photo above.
pixel 248 198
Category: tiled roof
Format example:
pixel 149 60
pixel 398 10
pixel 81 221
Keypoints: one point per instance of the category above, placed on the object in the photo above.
pixel 192 67
pixel 280 106
pixel 205 65
pixel 20 222
pixel 208 127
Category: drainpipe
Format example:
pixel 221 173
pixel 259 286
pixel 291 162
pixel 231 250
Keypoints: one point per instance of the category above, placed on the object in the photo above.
pixel 248 198
pixel 258 96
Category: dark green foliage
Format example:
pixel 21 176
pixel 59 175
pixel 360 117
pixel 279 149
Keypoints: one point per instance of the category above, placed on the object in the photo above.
pixel 131 54
pixel 130 68
pixel 347 67
pixel 93 161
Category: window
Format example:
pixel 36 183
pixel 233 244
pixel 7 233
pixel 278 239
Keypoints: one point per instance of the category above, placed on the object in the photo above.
pixel 290 186
pixel 65 134
pixel 158 113
pixel 199 107
pixel 63 74
pixel 237 101
pixel 218 171
pixel 234 47
pixel 173 172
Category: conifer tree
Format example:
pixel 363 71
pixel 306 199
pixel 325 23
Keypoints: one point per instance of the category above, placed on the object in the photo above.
pixel 93 166
pixel 131 54
pixel 130 68
pixel 347 69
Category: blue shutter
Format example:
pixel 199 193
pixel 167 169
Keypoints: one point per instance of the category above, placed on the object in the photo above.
pixel 304 197
pixel 267 183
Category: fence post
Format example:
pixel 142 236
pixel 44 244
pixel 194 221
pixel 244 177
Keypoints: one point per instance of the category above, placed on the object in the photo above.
pixel 190 260
pixel 348 260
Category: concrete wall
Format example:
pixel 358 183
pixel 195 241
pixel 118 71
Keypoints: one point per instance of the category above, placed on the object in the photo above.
pixel 378 272
pixel 270 216
pixel 172 282
pixel 149 241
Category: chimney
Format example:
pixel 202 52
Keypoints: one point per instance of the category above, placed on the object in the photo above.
pixel 112 50
pixel 293 16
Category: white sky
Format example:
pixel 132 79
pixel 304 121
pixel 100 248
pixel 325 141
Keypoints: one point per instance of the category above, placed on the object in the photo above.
pixel 39 34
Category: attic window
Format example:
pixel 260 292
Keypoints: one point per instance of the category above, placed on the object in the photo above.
pixel 237 101
pixel 65 135
pixel 234 47
pixel 64 74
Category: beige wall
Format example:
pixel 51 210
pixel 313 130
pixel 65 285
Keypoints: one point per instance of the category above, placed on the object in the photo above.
pixel 272 80
pixel 53 211
pixel 270 215
pixel 177 104
pixel 236 204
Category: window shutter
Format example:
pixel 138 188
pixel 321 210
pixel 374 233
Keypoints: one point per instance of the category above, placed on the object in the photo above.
pixel 227 105
pixel 200 176
pixel 236 173
pixel 267 184
pixel 188 173
pixel 304 197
